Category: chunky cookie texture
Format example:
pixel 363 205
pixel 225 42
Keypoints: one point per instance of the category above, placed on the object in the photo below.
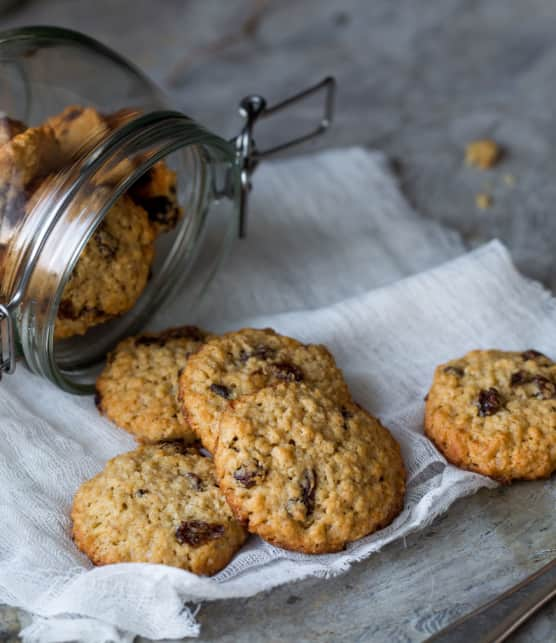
pixel 111 273
pixel 306 473
pixel 157 504
pixel 245 361
pixel 138 387
pixel 494 412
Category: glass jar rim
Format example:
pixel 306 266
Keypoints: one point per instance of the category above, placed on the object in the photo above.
pixel 49 32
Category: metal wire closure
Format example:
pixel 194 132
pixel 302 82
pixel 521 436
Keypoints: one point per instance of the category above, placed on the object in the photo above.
pixel 254 107
pixel 7 342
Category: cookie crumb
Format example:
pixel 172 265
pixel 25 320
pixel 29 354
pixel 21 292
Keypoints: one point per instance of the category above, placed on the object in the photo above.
pixel 483 153
pixel 483 201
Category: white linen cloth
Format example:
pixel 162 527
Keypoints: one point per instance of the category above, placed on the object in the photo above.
pixel 328 236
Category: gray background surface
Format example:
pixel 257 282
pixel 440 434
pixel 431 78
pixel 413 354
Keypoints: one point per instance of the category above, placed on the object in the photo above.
pixel 417 79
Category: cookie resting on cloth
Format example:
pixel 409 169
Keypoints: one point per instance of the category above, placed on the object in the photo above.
pixel 306 473
pixel 157 504
pixel 138 387
pixel 494 412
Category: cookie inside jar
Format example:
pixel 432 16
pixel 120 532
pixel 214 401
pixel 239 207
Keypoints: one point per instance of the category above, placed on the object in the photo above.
pixel 111 204
pixel 115 265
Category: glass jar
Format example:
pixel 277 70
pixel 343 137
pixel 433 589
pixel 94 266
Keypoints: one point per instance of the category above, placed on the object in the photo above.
pixel 110 203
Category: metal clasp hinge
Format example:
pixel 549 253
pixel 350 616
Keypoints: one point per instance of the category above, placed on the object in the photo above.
pixel 254 107
pixel 7 342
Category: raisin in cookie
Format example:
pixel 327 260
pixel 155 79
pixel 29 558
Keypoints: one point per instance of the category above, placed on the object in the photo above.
pixel 494 412
pixel 243 362
pixel 112 270
pixel 157 504
pixel 138 387
pixel 306 473
pixel 156 192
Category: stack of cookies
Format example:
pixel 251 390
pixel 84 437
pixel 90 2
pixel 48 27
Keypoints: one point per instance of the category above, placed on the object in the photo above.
pixel 114 267
pixel 249 432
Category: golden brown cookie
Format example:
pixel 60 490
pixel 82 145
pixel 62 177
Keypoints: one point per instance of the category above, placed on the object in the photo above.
pixel 112 270
pixel 78 130
pixel 138 387
pixel 157 504
pixel 306 473
pixel 494 412
pixel 36 152
pixel 9 128
pixel 28 156
pixel 243 362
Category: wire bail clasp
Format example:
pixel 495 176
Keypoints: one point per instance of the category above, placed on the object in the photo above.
pixel 7 342
pixel 254 107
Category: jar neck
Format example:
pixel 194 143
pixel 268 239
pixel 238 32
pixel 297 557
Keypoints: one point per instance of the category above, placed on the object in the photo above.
pixel 54 234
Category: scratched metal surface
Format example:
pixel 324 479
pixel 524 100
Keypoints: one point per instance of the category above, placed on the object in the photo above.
pixel 418 80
